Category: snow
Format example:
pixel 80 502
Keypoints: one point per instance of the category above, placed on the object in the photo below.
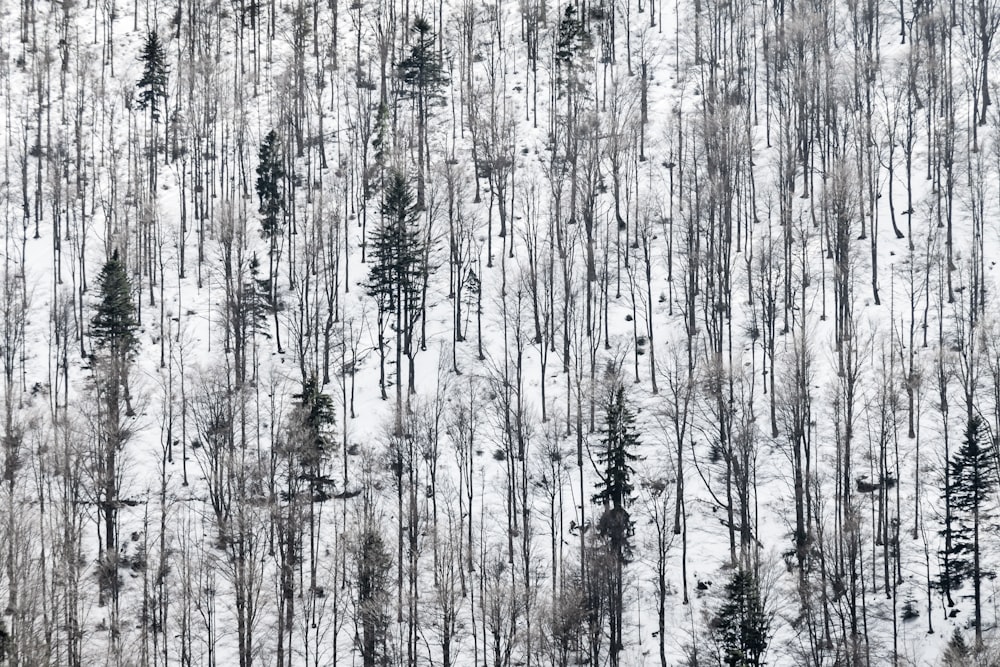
pixel 193 347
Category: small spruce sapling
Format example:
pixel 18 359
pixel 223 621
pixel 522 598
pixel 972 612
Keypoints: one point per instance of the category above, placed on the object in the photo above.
pixel 742 626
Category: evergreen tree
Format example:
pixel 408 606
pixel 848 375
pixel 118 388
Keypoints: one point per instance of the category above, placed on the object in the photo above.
pixel 423 73
pixel 317 415
pixel 373 565
pixel 246 309
pixel 153 84
pixel 615 493
pixel 972 479
pixel 742 626
pixel 380 142
pixel 573 37
pixel 381 145
pixel 114 325
pixel 422 70
pixel 615 486
pixel 113 330
pixel 957 653
pixel 256 295
pixel 573 42
pixel 270 172
pixel 397 270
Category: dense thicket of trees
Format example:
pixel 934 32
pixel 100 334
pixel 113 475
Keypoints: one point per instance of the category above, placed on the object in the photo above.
pixel 687 311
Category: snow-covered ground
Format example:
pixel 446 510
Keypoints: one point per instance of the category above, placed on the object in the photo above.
pixel 76 169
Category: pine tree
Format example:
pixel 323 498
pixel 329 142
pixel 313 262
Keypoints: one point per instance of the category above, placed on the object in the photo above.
pixel 113 330
pixel 423 73
pixel 153 84
pixel 114 325
pixel 394 280
pixel 573 37
pixel 373 565
pixel 317 415
pixel 422 69
pixel 615 493
pixel 256 295
pixel 742 625
pixel 270 172
pixel 615 486
pixel 972 480
pixel 957 653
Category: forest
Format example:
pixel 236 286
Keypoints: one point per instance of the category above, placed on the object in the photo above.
pixel 499 333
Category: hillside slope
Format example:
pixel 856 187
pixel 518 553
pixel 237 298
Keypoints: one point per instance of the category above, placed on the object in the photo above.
pixel 385 266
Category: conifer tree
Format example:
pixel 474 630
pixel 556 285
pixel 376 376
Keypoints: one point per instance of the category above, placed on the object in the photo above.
pixel 972 480
pixel 247 306
pixel 153 84
pixel 423 73
pixel 573 41
pixel 957 653
pixel 573 37
pixel 317 415
pixel 398 267
pixel 380 142
pixel 256 293
pixel 615 493
pixel 270 173
pixel 152 91
pixel 113 330
pixel 422 69
pixel 615 486
pixel 114 325
pixel 373 566
pixel 742 625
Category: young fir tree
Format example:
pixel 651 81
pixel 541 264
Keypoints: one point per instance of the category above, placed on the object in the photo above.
pixel 113 330
pixel 573 37
pixel 248 306
pixel 270 174
pixel 573 42
pixel 972 480
pixel 615 494
pixel 153 84
pixel 114 325
pixel 956 653
pixel 423 73
pixel 316 415
pixel 422 70
pixel 394 280
pixel 373 572
pixel 382 134
pixel 742 625
pixel 381 145
pixel 256 296
pixel 615 486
